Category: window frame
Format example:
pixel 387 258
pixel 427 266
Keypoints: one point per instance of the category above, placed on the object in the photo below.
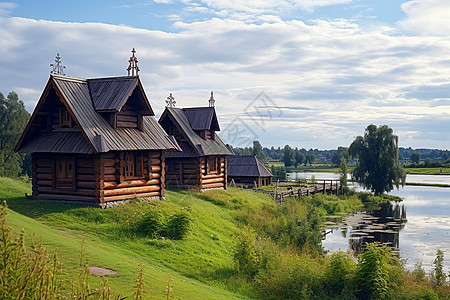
pixel 133 167
pixel 65 118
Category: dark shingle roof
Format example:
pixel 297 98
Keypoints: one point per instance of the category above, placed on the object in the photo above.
pixel 202 118
pixel 196 145
pixel 109 94
pixel 246 166
pixel 100 135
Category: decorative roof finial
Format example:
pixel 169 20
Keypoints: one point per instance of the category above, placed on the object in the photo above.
pixel 58 68
pixel 133 65
pixel 170 102
pixel 211 100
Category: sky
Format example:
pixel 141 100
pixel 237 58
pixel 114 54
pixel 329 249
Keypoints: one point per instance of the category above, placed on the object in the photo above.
pixel 308 73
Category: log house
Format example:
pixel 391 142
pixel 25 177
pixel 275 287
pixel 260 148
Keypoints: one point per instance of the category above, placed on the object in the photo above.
pixel 248 169
pixel 95 141
pixel 202 164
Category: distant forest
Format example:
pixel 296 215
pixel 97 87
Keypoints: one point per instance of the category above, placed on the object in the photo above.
pixel 333 156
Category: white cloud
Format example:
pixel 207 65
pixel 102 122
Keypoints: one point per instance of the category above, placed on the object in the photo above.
pixel 345 76
pixel 426 17
pixel 6 8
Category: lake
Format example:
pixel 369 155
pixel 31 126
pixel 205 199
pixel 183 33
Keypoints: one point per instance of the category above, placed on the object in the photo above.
pixel 427 227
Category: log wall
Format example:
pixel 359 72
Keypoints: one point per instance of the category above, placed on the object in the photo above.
pixel 183 173
pixel 82 188
pixel 113 186
pixel 98 178
pixel 214 180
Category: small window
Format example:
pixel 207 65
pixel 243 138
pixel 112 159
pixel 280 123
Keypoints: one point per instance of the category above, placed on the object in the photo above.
pixel 213 165
pixel 65 119
pixel 64 170
pixel 133 166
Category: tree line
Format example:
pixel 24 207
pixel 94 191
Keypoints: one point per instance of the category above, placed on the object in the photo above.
pixel 13 120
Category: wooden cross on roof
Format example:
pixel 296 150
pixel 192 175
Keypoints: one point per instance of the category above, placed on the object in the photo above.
pixel 211 100
pixel 57 67
pixel 170 102
pixel 133 67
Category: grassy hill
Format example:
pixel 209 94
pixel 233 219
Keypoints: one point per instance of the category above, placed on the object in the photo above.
pixel 195 263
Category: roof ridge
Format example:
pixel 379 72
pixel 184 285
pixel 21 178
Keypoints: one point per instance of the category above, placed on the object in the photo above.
pixel 68 78
pixel 112 78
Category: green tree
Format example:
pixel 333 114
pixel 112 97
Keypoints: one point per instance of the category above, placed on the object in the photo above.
pixel 414 157
pixel 310 156
pixel 377 152
pixel 13 119
pixel 288 157
pixel 299 157
pixel 258 151
pixel 343 174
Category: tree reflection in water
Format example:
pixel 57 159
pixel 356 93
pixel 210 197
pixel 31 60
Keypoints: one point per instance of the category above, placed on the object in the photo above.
pixel 382 225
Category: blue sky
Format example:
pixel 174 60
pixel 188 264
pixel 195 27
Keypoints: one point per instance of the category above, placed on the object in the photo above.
pixel 309 73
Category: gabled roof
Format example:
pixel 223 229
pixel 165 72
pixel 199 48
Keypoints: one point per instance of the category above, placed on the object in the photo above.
pixel 246 166
pixel 202 118
pixel 195 146
pixel 110 94
pixel 97 132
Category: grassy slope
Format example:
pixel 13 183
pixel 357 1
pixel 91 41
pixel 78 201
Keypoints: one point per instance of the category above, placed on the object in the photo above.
pixel 108 243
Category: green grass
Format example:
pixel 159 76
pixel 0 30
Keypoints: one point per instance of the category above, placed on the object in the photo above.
pixel 202 265
pixel 428 171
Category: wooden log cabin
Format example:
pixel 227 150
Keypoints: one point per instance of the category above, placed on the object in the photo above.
pixel 96 141
pixel 248 169
pixel 202 163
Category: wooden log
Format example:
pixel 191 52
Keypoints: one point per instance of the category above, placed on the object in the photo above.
pixel 86 185
pixel 155 155
pixel 156 161
pixel 127 118
pixel 44 176
pixel 126 124
pixel 66 197
pixel 131 196
pixel 85 163
pixel 43 162
pixel 44 170
pixel 79 192
pixel 109 155
pixel 90 177
pixel 109 177
pixel 156 169
pixel 155 175
pixel 131 190
pixel 211 176
pixel 213 180
pixel 85 171
pixel 109 170
pixel 44 182
pixel 109 162
pixel 131 183
pixel 212 185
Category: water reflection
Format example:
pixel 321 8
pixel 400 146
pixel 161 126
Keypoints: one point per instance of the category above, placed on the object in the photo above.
pixel 426 230
pixel 381 226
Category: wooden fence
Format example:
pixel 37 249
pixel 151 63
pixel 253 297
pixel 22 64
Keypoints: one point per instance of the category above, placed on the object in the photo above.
pixel 324 186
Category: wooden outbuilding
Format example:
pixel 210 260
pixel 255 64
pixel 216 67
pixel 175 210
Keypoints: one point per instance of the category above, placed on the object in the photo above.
pixel 96 141
pixel 202 163
pixel 248 169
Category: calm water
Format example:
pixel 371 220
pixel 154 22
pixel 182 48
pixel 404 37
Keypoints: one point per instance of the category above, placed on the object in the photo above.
pixel 426 230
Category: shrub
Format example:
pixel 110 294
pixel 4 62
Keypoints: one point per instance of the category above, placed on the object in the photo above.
pixel 340 274
pixel 438 275
pixel 153 224
pixel 26 273
pixel 372 275
pixel 178 226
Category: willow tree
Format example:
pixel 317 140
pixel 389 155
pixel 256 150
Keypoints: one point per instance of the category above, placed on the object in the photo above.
pixel 377 153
